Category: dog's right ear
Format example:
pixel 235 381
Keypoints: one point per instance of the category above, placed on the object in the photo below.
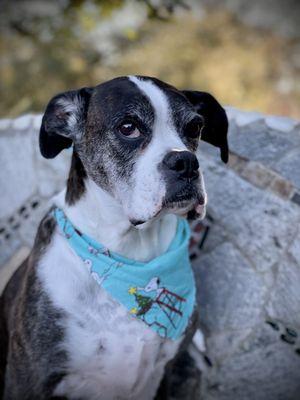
pixel 215 120
pixel 64 121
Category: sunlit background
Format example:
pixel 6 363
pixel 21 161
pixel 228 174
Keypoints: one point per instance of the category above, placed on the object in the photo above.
pixel 247 53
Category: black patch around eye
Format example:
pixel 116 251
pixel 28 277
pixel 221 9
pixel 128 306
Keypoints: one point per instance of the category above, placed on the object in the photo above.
pixel 193 128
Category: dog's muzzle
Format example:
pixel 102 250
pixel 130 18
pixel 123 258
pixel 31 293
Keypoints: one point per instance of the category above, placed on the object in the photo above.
pixel 181 173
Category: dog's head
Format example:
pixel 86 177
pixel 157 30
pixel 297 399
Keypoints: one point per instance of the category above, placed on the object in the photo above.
pixel 136 137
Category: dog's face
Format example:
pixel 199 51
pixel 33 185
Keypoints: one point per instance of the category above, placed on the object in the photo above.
pixel 136 138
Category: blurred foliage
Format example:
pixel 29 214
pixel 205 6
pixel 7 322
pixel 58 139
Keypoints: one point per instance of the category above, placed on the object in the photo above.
pixel 48 50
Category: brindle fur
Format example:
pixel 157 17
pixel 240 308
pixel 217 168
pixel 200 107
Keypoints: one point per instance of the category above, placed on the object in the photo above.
pixel 29 324
pixel 75 183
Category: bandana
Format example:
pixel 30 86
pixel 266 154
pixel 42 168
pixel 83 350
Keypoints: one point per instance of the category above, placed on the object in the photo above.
pixel 161 292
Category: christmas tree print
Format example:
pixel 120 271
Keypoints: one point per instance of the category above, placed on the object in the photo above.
pixel 144 304
pixel 169 303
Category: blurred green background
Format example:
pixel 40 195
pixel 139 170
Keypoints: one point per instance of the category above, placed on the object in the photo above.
pixel 245 53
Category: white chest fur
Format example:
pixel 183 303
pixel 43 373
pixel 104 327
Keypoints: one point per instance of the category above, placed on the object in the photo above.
pixel 112 355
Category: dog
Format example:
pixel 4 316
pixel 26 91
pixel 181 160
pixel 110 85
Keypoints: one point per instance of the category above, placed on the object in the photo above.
pixel 134 170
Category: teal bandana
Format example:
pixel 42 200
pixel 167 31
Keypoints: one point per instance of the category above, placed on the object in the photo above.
pixel 161 292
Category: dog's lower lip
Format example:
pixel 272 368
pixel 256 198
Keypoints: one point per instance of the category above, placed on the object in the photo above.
pixel 177 203
pixel 182 197
pixel 137 222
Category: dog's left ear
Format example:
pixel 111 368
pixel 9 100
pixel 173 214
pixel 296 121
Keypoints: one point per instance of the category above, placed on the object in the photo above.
pixel 64 121
pixel 215 120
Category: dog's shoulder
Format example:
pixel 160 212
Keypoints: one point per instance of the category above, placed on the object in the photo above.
pixel 24 279
pixel 31 325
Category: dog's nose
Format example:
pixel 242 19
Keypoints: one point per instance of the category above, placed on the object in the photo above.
pixel 183 163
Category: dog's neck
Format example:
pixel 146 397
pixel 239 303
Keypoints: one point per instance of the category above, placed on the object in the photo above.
pixel 97 214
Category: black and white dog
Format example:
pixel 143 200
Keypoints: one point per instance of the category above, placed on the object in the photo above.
pixel 133 170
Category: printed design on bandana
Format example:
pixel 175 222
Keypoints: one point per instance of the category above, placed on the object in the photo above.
pixel 169 302
pixel 100 278
pixel 161 292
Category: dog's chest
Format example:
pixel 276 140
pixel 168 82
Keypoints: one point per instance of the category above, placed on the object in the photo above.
pixel 111 355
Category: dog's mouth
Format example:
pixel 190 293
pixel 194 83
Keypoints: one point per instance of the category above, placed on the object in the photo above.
pixel 183 198
pixel 186 201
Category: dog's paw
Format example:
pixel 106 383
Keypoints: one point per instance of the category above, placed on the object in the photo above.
pixel 199 341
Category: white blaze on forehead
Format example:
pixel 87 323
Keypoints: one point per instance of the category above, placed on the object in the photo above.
pixel 164 131
pixel 149 186
pixel 156 97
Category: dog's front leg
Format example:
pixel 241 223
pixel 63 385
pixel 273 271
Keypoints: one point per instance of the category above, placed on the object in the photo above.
pixel 164 389
pixel 180 362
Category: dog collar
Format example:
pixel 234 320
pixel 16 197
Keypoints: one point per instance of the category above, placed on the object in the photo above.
pixel 161 292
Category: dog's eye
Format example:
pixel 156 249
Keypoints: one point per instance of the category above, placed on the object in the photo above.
pixel 193 128
pixel 129 129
